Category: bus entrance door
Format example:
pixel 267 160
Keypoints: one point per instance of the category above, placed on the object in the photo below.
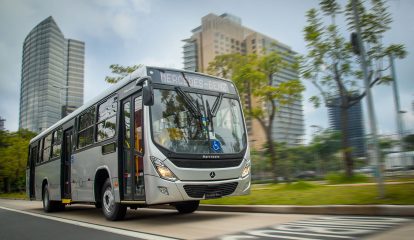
pixel 66 165
pixel 132 149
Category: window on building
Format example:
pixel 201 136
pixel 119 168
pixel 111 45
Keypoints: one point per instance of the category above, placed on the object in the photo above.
pixel 85 128
pixel 106 126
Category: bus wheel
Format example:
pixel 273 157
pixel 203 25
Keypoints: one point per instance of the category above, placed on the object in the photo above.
pixel 113 211
pixel 48 205
pixel 187 207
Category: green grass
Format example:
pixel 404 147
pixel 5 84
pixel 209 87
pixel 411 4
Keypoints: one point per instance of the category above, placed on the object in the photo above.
pixel 13 195
pixel 341 178
pixel 299 186
pixel 281 194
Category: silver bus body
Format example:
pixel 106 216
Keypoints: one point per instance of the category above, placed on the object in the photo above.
pixel 89 164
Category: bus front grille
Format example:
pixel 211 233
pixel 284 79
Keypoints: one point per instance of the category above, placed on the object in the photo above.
pixel 210 191
pixel 206 163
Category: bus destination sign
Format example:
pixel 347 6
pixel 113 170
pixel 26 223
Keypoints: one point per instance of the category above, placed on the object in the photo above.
pixel 194 81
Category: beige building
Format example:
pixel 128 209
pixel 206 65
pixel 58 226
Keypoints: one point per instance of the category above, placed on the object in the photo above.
pixel 225 34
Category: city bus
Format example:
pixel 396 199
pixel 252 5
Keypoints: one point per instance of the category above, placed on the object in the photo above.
pixel 158 136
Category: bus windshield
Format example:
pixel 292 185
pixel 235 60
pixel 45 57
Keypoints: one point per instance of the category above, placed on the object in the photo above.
pixel 194 123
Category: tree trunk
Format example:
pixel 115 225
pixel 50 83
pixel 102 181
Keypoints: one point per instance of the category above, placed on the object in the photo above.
pixel 346 150
pixel 272 152
pixel 6 185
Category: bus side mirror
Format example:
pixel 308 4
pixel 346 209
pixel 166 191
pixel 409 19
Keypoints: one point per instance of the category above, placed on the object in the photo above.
pixel 148 95
pixel 147 91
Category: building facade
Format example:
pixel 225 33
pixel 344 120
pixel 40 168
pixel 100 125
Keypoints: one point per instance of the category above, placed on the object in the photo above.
pixel 225 34
pixel 355 130
pixel 52 78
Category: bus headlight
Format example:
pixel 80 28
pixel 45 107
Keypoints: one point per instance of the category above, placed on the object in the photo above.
pixel 162 170
pixel 246 170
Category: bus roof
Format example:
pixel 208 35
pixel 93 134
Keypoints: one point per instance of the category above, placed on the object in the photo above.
pixel 140 72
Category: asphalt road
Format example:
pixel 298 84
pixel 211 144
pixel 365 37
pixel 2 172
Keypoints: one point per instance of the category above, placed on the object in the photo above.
pixel 14 225
pixel 26 220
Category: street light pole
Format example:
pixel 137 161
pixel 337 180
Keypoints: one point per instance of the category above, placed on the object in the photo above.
pixel 396 100
pixel 371 113
pixel 398 111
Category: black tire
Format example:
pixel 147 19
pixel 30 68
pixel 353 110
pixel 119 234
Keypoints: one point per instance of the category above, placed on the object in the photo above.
pixel 187 207
pixel 59 207
pixel 48 205
pixel 98 205
pixel 113 211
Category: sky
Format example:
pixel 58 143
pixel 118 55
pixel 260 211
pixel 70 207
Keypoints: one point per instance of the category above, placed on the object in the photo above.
pixel 150 32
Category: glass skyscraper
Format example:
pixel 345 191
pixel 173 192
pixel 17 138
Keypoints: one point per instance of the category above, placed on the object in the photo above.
pixel 355 130
pixel 52 76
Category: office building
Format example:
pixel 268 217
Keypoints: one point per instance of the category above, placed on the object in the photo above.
pixel 225 34
pixel 52 77
pixel 355 129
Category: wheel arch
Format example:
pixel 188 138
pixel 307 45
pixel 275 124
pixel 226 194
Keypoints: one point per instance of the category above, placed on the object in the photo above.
pixel 45 182
pixel 101 174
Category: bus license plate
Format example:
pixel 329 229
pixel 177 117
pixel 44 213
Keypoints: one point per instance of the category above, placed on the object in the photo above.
pixel 211 195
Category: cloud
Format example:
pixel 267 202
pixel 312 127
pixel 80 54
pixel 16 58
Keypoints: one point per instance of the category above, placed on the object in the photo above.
pixel 142 6
pixel 150 32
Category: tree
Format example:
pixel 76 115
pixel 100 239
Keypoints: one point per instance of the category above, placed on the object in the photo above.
pixel 409 142
pixel 120 72
pixel 324 145
pixel 253 77
pixel 13 159
pixel 332 62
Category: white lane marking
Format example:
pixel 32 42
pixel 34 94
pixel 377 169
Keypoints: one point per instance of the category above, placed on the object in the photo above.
pixel 262 233
pixel 351 219
pixel 367 224
pixel 333 227
pixel 336 226
pixel 96 227
pixel 237 237
pixel 364 221
pixel 323 230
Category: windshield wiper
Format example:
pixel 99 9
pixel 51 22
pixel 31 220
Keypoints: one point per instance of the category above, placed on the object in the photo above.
pixel 216 105
pixel 210 116
pixel 212 112
pixel 194 110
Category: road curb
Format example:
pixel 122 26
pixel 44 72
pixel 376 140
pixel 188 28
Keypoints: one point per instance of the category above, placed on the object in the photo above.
pixel 371 210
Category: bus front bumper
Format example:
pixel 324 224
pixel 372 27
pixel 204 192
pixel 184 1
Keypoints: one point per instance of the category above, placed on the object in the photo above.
pixel 160 191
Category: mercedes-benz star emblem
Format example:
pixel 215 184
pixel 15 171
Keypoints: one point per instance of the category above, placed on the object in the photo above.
pixel 212 174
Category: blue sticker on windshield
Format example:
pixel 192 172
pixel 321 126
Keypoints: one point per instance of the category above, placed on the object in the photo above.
pixel 216 145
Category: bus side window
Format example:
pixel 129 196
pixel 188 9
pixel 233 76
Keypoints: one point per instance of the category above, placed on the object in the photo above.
pixel 34 156
pixel 106 126
pixel 47 145
pixel 85 128
pixel 57 141
pixel 39 147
